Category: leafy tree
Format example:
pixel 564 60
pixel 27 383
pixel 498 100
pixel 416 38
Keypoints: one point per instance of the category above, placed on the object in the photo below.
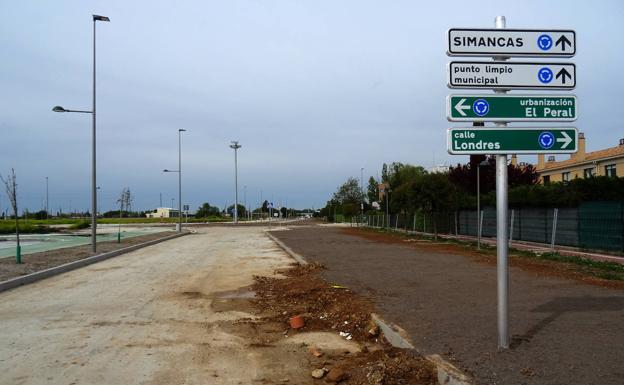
pixel 384 173
pixel 433 194
pixel 349 193
pixel 41 214
pixel 372 190
pixel 205 211
pixel 240 209
pixel 464 176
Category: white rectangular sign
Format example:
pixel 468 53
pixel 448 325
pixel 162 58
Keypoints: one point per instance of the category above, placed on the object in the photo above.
pixel 511 42
pixel 503 75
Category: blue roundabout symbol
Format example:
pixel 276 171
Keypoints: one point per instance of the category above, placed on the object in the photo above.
pixel 481 107
pixel 544 42
pixel 545 75
pixel 546 140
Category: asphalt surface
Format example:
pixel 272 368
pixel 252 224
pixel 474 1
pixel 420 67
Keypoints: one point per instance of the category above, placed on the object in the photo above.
pixel 564 332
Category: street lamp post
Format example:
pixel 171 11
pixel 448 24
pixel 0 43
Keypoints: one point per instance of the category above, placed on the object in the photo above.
pixel 235 146
pixel 93 142
pixel 362 194
pixel 387 210
pixel 179 171
pixel 483 163
pixel 47 199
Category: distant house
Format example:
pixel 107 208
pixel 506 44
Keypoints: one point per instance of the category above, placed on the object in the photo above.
pixel 163 212
pixel 606 162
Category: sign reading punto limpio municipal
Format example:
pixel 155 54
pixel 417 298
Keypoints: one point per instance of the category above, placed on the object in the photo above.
pixel 512 75
pixel 517 140
pixel 511 108
pixel 512 42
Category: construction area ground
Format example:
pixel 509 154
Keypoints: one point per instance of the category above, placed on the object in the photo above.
pixel 567 325
pixel 226 305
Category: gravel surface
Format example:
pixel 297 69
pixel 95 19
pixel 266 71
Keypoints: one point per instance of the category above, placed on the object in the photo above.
pixel 564 330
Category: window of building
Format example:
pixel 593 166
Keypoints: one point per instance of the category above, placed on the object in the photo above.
pixel 610 170
pixel 546 179
pixel 565 176
pixel 589 172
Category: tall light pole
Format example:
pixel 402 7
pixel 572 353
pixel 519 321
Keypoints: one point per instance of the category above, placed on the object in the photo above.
pixel 179 171
pixel 47 197
pixel 362 194
pixel 235 146
pixel 93 143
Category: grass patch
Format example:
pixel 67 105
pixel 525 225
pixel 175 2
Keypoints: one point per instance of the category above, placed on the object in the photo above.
pixel 8 227
pixel 599 265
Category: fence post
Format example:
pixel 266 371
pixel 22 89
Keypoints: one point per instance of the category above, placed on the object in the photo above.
pixel 424 223
pixel 414 225
pixel 554 230
pixel 511 223
pixel 396 223
pixel 456 224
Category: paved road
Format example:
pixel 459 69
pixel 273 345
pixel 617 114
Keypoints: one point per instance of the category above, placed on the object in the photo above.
pixel 566 333
pixel 147 317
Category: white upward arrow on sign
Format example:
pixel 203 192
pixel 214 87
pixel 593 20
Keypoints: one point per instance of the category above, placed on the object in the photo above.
pixel 460 107
pixel 566 139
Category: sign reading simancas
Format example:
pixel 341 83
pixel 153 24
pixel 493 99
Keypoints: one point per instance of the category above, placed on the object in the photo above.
pixel 512 42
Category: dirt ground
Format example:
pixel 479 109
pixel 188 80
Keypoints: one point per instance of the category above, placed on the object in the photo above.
pixel 564 330
pixel 44 260
pixel 207 308
pixel 337 310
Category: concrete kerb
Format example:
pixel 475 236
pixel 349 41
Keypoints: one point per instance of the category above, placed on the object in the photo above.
pixel 448 374
pixel 300 260
pixel 39 275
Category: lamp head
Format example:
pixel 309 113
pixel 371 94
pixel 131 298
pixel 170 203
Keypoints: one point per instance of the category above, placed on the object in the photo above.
pixel 100 18
pixel 58 109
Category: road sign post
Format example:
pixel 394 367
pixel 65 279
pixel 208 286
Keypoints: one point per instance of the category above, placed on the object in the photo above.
pixel 511 108
pixel 502 76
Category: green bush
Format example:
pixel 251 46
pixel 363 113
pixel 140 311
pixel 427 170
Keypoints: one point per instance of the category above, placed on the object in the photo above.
pixel 80 226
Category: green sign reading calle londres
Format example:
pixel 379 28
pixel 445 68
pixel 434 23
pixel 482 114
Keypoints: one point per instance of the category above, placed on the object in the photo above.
pixel 511 108
pixel 524 140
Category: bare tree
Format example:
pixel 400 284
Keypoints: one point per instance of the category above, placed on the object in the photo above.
pixel 10 184
pixel 125 200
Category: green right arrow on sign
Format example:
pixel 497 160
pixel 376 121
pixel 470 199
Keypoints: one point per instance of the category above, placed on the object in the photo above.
pixel 523 140
pixel 511 108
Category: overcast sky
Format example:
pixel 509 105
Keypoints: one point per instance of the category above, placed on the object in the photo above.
pixel 313 90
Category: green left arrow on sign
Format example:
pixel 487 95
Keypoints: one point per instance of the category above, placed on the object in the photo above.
pixel 522 140
pixel 511 108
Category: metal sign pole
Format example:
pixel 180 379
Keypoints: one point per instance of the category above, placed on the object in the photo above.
pixel 502 267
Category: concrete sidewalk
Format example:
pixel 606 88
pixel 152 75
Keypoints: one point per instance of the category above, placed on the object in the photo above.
pixel 152 316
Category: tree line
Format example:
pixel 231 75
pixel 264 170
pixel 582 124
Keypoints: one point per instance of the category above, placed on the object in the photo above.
pixel 407 189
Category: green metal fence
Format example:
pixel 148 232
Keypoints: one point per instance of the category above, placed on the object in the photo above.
pixel 592 225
